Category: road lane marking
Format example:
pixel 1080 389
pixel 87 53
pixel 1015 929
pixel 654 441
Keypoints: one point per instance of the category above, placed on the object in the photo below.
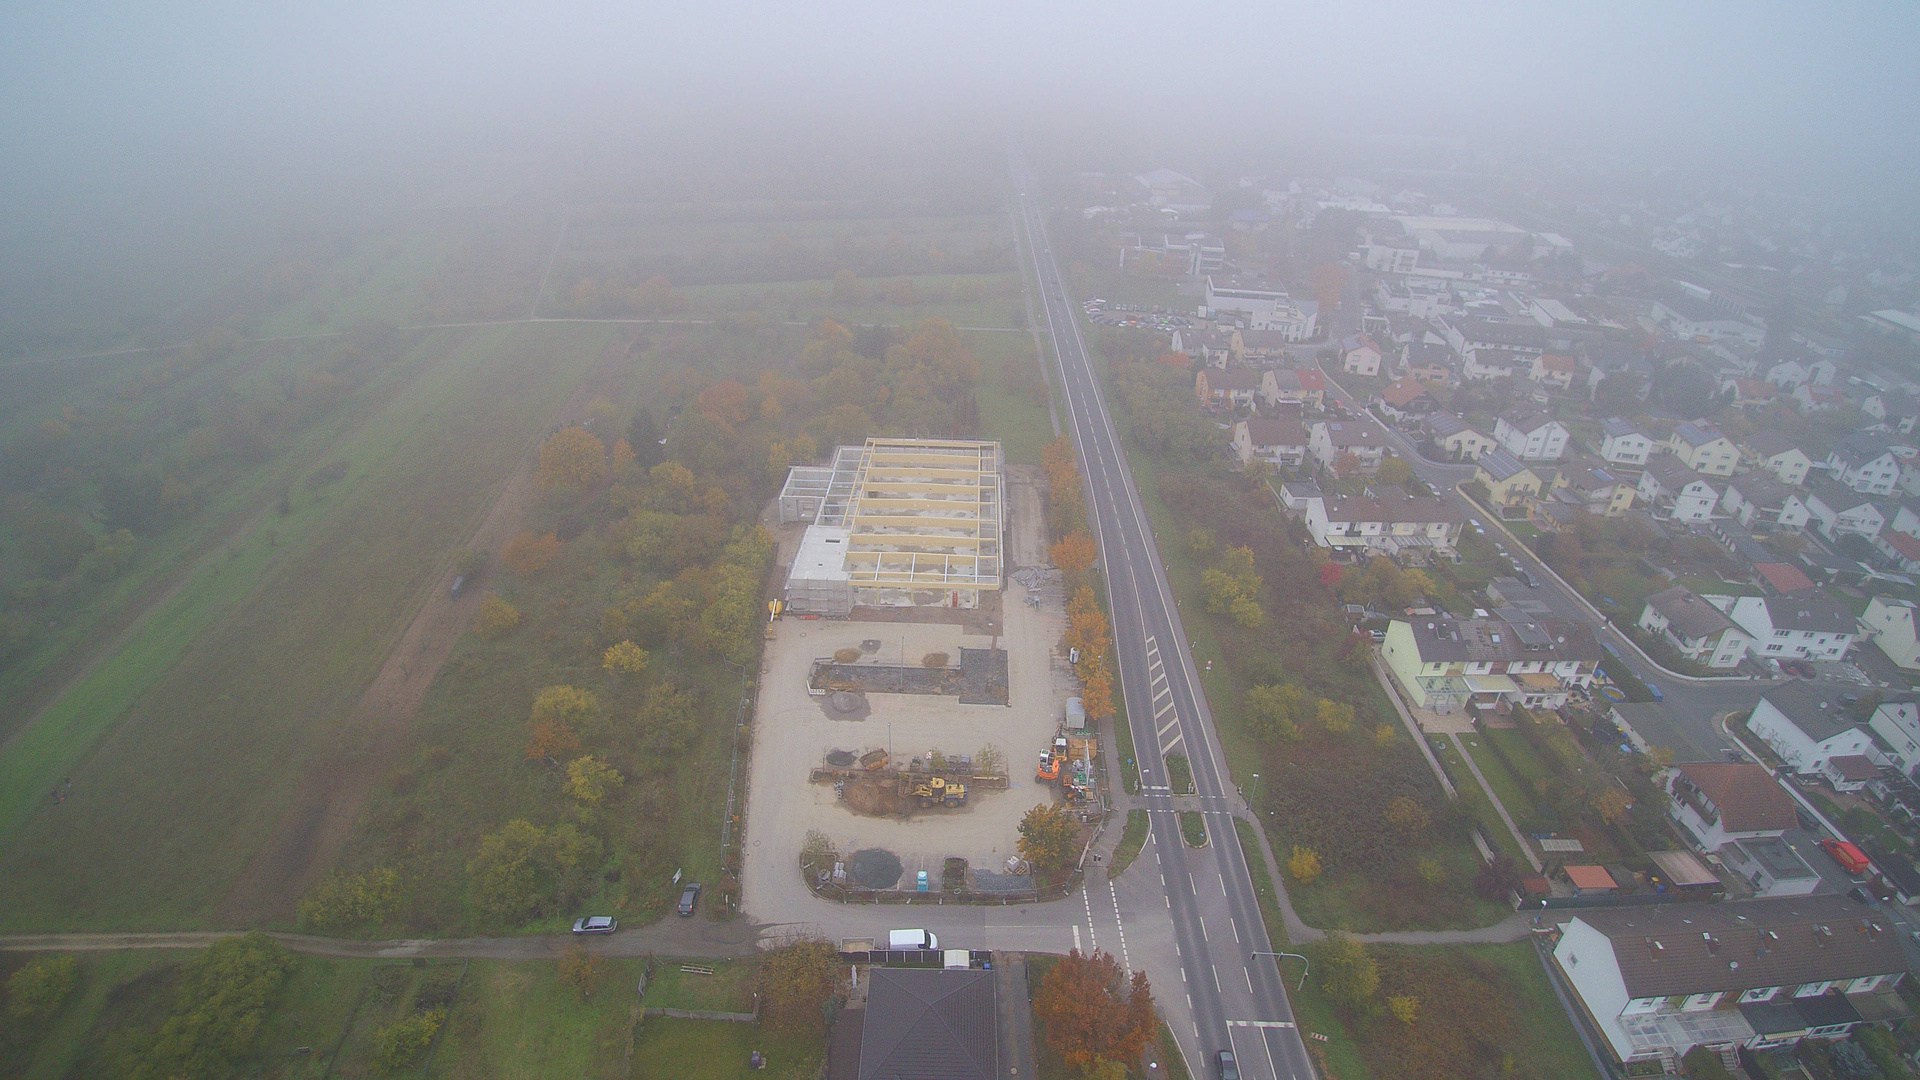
pixel 1260 1023
pixel 1216 977
pixel 1236 929
pixel 1248 972
pixel 1169 724
pixel 1203 928
pixel 1163 711
pixel 1171 745
pixel 1076 937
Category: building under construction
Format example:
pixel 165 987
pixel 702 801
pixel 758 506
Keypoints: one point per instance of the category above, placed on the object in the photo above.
pixel 896 523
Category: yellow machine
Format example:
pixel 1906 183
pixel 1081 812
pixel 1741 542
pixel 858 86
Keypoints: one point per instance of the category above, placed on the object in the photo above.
pixel 940 790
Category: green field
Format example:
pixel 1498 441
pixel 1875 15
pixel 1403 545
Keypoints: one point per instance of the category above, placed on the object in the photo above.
pixel 1012 395
pixel 1512 791
pixel 1475 798
pixel 671 1049
pixel 207 721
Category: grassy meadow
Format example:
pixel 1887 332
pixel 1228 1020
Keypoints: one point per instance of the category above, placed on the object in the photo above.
pixel 207 720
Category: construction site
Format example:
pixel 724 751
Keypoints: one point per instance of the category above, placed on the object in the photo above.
pixel 916 728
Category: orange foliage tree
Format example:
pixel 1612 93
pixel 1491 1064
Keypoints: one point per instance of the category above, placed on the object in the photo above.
pixel 551 737
pixel 1088 1019
pixel 529 554
pixel 1074 554
pixel 1066 504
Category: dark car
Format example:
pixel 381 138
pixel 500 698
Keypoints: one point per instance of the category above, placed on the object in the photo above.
pixel 1228 1070
pixel 689 898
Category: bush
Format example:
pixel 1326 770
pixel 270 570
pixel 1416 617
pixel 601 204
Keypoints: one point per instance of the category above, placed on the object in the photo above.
pixel 404 1042
pixel 345 901
pixel 220 1002
pixel 36 991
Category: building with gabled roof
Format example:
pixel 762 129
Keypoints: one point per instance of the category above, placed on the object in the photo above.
pixel 1391 523
pixel 1281 440
pixel 920 1024
pixel 1694 628
pixel 1891 624
pixel 1717 802
pixel 1455 439
pixel 1703 448
pixel 1804 725
pixel 1509 483
pixel 1657 981
pixel 1531 435
pixel 1622 443
pixel 1757 497
pixel 1780 455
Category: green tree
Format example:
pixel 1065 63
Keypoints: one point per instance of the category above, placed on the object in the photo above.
pixel 1394 470
pixel 38 988
pixel 589 779
pixel 1335 716
pixel 1349 974
pixel 1047 833
pixel 644 439
pixel 1276 711
pixel 346 901
pixel 624 658
pixel 496 617
pixel 218 1006
pixel 522 870
pixel 1303 864
pixel 401 1044
pixel 1404 1007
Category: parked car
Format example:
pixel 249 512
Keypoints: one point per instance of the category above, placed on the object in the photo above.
pixel 689 899
pixel 596 924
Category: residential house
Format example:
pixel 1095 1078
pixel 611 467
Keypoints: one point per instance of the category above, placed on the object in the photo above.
pixel 1694 628
pixel 1676 492
pixel 1785 579
pixel 1867 463
pixel 1890 623
pixel 1479 365
pixel 1394 524
pixel 1701 447
pixel 1327 440
pixel 1281 440
pixel 1296 494
pixel 1466 333
pixel 1757 496
pixel 1259 346
pixel 1848 773
pixel 1359 356
pixel 1226 388
pixel 1510 484
pixel 1556 370
pixel 1442 662
pixel 1294 386
pixel 1749 393
pixel 1658 981
pixel 1717 802
pixel 1836 510
pixel 1428 361
pixel 1805 724
pixel 1902 550
pixel 1403 398
pixel 1897 724
pixel 1779 455
pixel 1531 436
pixel 1455 439
pixel 1622 443
pixel 920 1022
pixel 1788 374
pixel 1593 489
pixel 1897 411
pixel 1904 519
pixel 1818 399
pixel 1802 627
pixel 1213 347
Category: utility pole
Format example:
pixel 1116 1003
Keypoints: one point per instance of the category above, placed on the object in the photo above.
pixel 1296 956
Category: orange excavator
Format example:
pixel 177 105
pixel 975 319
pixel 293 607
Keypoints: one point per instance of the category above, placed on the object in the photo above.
pixel 1049 769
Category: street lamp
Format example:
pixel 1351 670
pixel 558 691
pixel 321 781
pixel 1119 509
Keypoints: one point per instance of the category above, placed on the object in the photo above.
pixel 1255 801
pixel 1296 956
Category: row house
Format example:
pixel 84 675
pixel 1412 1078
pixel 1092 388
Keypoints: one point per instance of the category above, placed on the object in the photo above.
pixel 1867 463
pixel 1399 526
pixel 1622 443
pixel 1897 725
pixel 1900 549
pixel 1659 981
pixel 1280 440
pixel 1306 387
pixel 1800 627
pixel 1676 492
pixel 1217 388
pixel 1757 497
pixel 1480 365
pixel 1428 361
pixel 1212 347
pixel 1701 447
pixel 1836 510
pixel 1444 663
pixel 1467 333
pixel 1455 439
pixel 1779 455
pixel 1364 439
pixel 1530 435
pixel 1694 628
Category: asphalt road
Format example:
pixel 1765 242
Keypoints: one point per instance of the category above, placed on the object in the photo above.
pixel 1235 998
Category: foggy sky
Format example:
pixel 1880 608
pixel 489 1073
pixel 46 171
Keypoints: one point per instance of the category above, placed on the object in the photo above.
pixel 132 89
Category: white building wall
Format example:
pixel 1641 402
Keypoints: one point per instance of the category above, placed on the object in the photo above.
pixel 1586 956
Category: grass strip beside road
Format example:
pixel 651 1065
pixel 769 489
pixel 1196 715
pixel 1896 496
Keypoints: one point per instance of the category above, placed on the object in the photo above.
pixel 1179 774
pixel 1132 840
pixel 1193 828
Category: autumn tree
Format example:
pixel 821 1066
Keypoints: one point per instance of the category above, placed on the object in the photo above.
pixel 401 1044
pixel 1047 833
pixel 1276 711
pixel 1404 1007
pixel 572 456
pixel 522 870
pixel 529 553
pixel 1335 716
pixel 1497 879
pixel 1096 691
pixel 1394 470
pixel 1304 864
pixel 1066 503
pixel 797 982
pixel 550 738
pixel 579 969
pixel 496 616
pixel 1233 587
pixel 1612 804
pixel 1407 816
pixel 1349 973
pixel 1074 554
pixel 621 457
pixel 590 779
pixel 624 658
pixel 1089 1020
pixel 1329 281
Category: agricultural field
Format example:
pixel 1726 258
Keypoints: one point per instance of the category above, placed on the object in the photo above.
pixel 186 746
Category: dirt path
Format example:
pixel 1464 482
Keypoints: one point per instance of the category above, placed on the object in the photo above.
pixel 675 937
pixel 320 819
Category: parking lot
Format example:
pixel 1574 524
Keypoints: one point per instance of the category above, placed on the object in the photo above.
pixel 795 729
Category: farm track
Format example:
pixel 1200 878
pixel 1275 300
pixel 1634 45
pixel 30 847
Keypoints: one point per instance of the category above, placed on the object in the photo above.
pixel 673 937
pixel 320 819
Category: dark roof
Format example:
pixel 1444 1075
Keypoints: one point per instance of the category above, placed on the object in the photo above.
pixel 1821 715
pixel 1761 489
pixel 1674 949
pixel 1275 431
pixel 1747 795
pixel 1672 473
pixel 1444 424
pixel 1617 427
pixel 1515 636
pixel 1838 497
pixel 1770 443
pixel 1687 614
pixel 1388 508
pixel 1428 352
pixel 1527 335
pixel 1341 433
pixel 1696 432
pixel 1500 463
pixel 1242 379
pixel 1526 420
pixel 930 1024
pixel 1853 766
pixel 1816 613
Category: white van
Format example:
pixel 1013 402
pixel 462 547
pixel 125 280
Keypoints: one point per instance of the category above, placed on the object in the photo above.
pixel 912 939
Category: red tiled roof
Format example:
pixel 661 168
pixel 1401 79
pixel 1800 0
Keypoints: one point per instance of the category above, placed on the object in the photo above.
pixel 1590 877
pixel 1907 546
pixel 1401 391
pixel 1783 577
